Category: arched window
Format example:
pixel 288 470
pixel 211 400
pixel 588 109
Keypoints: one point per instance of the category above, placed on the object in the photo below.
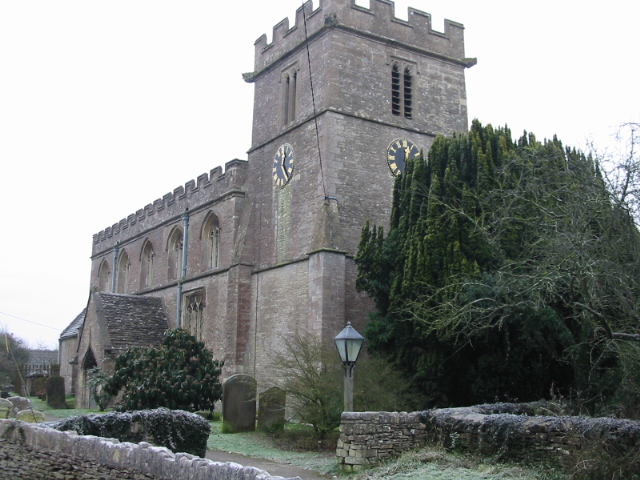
pixel 211 242
pixel 192 319
pixel 124 265
pixel 146 261
pixel 174 248
pixel 289 80
pixel 401 91
pixel 104 277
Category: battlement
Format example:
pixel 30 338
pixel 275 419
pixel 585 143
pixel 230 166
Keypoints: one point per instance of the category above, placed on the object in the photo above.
pixel 192 194
pixel 377 21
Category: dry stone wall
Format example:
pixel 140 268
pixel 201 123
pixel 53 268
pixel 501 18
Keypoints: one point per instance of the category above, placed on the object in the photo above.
pixel 368 438
pixel 29 451
pixel 371 437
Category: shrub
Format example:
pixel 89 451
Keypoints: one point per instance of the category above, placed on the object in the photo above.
pixel 381 387
pixel 97 380
pixel 177 430
pixel 311 376
pixel 607 460
pixel 180 375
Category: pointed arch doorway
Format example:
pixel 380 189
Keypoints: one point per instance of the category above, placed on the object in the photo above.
pixel 88 363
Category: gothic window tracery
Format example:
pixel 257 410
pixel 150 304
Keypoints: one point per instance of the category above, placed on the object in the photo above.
pixel 104 277
pixel 194 306
pixel 175 254
pixel 146 259
pixel 124 265
pixel 211 242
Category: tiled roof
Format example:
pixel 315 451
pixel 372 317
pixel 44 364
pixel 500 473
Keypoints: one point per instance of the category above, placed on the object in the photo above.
pixel 132 320
pixel 74 327
pixel 42 357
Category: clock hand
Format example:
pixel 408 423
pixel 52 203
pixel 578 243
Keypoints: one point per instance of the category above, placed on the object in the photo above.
pixel 284 168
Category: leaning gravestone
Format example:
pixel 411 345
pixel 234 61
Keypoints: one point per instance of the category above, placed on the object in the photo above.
pixel 31 416
pixel 6 409
pixel 239 404
pixel 271 409
pixel 20 403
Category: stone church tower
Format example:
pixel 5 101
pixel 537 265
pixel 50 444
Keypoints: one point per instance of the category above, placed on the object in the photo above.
pixel 248 257
pixel 332 93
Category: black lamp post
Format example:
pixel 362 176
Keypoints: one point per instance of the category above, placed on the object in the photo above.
pixel 348 342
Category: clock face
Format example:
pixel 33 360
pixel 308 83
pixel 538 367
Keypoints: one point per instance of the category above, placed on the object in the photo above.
pixel 399 150
pixel 283 165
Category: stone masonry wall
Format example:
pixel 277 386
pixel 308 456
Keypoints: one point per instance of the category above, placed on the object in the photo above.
pixel 371 437
pixel 29 451
pixel 368 438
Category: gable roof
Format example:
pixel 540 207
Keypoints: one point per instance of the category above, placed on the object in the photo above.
pixel 131 320
pixel 73 329
pixel 42 357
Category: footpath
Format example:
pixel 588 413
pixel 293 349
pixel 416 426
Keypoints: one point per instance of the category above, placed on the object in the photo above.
pixel 280 469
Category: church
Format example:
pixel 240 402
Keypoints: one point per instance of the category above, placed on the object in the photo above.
pixel 251 255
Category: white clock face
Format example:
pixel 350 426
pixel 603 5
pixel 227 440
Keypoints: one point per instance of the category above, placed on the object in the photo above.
pixel 283 165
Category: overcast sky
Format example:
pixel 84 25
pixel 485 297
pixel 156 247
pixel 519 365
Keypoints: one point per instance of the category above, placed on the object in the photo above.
pixel 106 106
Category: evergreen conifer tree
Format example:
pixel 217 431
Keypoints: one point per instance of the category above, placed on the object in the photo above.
pixel 504 263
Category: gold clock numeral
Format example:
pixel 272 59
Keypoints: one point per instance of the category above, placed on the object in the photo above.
pixel 399 150
pixel 283 164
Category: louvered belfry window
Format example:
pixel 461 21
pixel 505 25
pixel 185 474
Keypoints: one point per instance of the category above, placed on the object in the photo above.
pixel 395 90
pixel 407 93
pixel 401 91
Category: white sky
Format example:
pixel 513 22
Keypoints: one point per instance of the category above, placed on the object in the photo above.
pixel 106 106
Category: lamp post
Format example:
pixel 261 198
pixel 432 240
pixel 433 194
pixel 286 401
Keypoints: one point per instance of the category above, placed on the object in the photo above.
pixel 348 342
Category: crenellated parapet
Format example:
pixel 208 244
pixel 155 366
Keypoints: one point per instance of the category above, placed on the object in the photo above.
pixel 208 187
pixel 378 21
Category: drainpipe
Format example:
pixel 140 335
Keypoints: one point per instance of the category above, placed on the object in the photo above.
pixel 183 273
pixel 116 250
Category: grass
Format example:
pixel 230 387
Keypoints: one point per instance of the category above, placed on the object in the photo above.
pixel 269 447
pixel 436 464
pixel 70 411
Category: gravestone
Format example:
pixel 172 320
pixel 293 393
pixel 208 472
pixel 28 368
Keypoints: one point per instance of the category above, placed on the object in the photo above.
pixel 31 416
pixel 6 409
pixel 239 404
pixel 20 403
pixel 271 408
